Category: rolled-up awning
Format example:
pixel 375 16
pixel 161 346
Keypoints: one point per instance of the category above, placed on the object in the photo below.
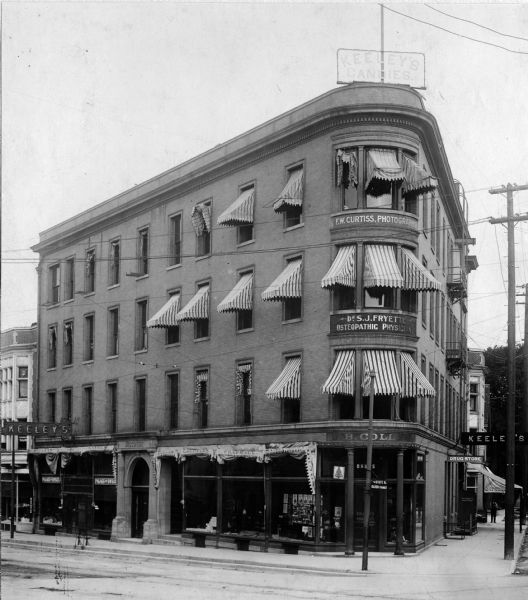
pixel 343 269
pixel 201 219
pixel 342 377
pixel 381 268
pixel 493 484
pixel 240 297
pixel 241 211
pixel 346 168
pixel 288 383
pixel 382 165
pixel 197 307
pixel 383 363
pixel 414 382
pixel 166 315
pixel 415 275
pixel 287 285
pixel 417 180
pixel 292 194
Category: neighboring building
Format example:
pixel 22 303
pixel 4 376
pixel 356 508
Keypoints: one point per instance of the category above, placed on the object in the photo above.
pixel 209 331
pixel 17 350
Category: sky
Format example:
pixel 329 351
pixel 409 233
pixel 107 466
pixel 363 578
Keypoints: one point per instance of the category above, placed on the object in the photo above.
pixel 100 96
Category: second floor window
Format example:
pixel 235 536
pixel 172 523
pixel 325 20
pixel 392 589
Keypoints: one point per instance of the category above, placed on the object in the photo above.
pixel 22 382
pixel 473 397
pixel 88 410
pixel 52 346
pixel 141 404
pixel 175 240
pixel 54 274
pixel 141 325
pixel 243 393
pixel 112 406
pixel 89 274
pixel 89 337
pixel 143 251
pixel 52 406
pixel 67 352
pixel 114 265
pixel 201 396
pixel 113 332
pixel 67 405
pixel 173 392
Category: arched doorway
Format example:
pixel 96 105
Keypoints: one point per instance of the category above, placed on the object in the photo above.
pixel 140 497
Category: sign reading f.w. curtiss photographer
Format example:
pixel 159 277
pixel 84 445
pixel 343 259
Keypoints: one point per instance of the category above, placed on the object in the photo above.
pixel 404 68
pixel 38 429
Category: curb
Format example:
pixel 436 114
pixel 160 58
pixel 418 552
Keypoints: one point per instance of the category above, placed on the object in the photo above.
pixel 521 562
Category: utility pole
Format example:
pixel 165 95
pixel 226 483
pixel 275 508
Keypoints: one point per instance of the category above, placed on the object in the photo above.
pixel 524 422
pixel 510 406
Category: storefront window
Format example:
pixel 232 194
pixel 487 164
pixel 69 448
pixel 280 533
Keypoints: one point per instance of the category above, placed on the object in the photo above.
pixel 333 459
pixel 292 510
pixel 200 466
pixel 419 517
pixel 332 519
pixel 243 506
pixel 288 466
pixel 200 503
pixel 242 466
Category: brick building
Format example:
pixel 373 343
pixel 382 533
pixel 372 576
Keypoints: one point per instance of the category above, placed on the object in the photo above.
pixel 209 331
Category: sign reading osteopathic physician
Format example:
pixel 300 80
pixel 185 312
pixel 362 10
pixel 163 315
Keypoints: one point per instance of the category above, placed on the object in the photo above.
pixel 368 322
pixel 404 68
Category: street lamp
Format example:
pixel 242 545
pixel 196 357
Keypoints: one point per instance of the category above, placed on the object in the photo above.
pixel 368 479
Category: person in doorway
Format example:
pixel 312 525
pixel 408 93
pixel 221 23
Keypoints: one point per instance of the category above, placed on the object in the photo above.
pixel 494 512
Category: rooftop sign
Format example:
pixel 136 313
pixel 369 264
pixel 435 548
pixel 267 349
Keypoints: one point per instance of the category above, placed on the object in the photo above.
pixel 404 68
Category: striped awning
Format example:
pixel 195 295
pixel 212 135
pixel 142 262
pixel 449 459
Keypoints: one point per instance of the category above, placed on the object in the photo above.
pixel 201 219
pixel 292 194
pixel 414 382
pixel 382 165
pixel 381 269
pixel 240 297
pixel 493 484
pixel 288 383
pixel 287 285
pixel 415 275
pixel 342 377
pixel 383 363
pixel 346 168
pixel 241 211
pixel 343 269
pixel 197 307
pixel 166 315
pixel 416 180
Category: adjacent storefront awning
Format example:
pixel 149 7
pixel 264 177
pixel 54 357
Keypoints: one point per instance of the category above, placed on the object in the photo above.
pixel 346 168
pixel 382 165
pixel 292 194
pixel 166 315
pixel 287 285
pixel 343 269
pixel 342 377
pixel 415 275
pixel 73 449
pixel 416 180
pixel 288 383
pixel 414 382
pixel 493 484
pixel 196 308
pixel 381 268
pixel 201 219
pixel 383 363
pixel 241 211
pixel 240 297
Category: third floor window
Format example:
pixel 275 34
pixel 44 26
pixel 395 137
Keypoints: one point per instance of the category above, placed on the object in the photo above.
pixel 143 251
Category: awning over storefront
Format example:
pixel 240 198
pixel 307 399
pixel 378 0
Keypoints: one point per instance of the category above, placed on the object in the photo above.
pixel 382 165
pixel 381 268
pixel 288 383
pixel 493 484
pixel 343 269
pixel 166 315
pixel 414 382
pixel 383 363
pixel 73 449
pixel 287 285
pixel 346 168
pixel 342 377
pixel 241 211
pixel 417 180
pixel 196 308
pixel 240 297
pixel 415 275
pixel 201 218
pixel 292 194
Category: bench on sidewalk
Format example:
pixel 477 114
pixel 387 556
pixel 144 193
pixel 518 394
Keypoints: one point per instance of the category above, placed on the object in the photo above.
pixel 290 546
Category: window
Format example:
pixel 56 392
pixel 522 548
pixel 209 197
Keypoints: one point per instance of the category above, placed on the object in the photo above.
pixel 88 409
pixel 141 325
pixel 291 410
pixel 201 396
pixel 52 346
pixel 173 332
pixel 201 326
pixel 113 332
pixel 344 297
pixel 22 382
pixel 173 392
pixel 423 296
pixel 433 222
pixel 425 213
pixel 293 213
pixel 67 352
pixel 114 273
pixel 243 392
pixel 67 405
pixel 111 389
pixel 201 220
pixel 431 401
pixel 52 407
pixel 437 317
pixel 244 318
pixel 54 275
pixel 143 251
pixel 89 342
pixel 69 278
pixel 380 297
pixel 473 396
pixel 432 313
pixel 89 279
pixel 245 230
pixel 175 239
pixel 409 300
pixel 141 404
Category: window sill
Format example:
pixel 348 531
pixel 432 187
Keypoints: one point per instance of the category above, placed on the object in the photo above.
pixel 248 330
pixel 51 369
pixel 142 276
pixel 202 339
pixel 90 361
pixel 68 366
pixel 173 344
pixel 171 267
pixel 293 227
pixel 52 305
pixel 196 258
pixel 86 294
pixel 288 321
pixel 113 286
pixel 112 357
pixel 246 243
pixel 140 351
pixel 68 300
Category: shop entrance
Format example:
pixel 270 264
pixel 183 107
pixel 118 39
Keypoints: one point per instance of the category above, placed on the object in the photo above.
pixel 140 497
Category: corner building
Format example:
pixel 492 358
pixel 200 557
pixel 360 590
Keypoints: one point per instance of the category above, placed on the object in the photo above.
pixel 210 333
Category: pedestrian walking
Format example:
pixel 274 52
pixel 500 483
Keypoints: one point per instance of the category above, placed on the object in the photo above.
pixel 494 512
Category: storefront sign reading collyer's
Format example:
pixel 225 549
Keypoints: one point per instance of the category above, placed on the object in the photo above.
pixel 372 322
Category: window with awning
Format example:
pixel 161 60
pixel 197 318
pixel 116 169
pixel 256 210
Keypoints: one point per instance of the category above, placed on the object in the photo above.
pixel 288 383
pixel 287 285
pixel 382 167
pixel 240 297
pixel 416 179
pixel 415 275
pixel 383 363
pixel 166 315
pixel 240 212
pixel 381 268
pixel 342 377
pixel 197 308
pixel 201 218
pixel 343 269
pixel 493 484
pixel 346 168
pixel 293 192
pixel 414 382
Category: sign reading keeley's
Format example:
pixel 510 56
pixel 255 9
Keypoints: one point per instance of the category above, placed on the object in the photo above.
pixel 484 438
pixel 44 429
pixel 372 322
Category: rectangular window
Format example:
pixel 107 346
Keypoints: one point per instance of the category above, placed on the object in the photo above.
pixel 143 251
pixel 22 382
pixel 438 233
pixel 344 297
pixel 89 276
pixel 243 392
pixel 88 409
pixel 473 397
pixel 175 240
pixel 244 318
pixel 444 245
pixel 54 278
pixel 423 296
pixel 433 222
pixel 201 396
pixel 431 401
pixel 173 332
pixel 432 313
pixel 409 300
pixel 141 404
pixel 425 213
pixel 111 389
pixel 293 214
pixel 201 326
pixel 245 230
pixel 69 278
pixel 141 325
pixel 67 352
pixel 89 341
pixel 443 319
pixel 52 407
pixel 292 307
pixel 203 213
pixel 382 193
pixel 113 332
pixel 437 317
pixel 114 267
pixel 173 392
pixel 52 346
pixel 67 405
pixel 380 297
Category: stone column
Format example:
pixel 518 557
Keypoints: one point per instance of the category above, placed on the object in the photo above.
pixel 151 525
pixel 121 522
pixel 349 528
